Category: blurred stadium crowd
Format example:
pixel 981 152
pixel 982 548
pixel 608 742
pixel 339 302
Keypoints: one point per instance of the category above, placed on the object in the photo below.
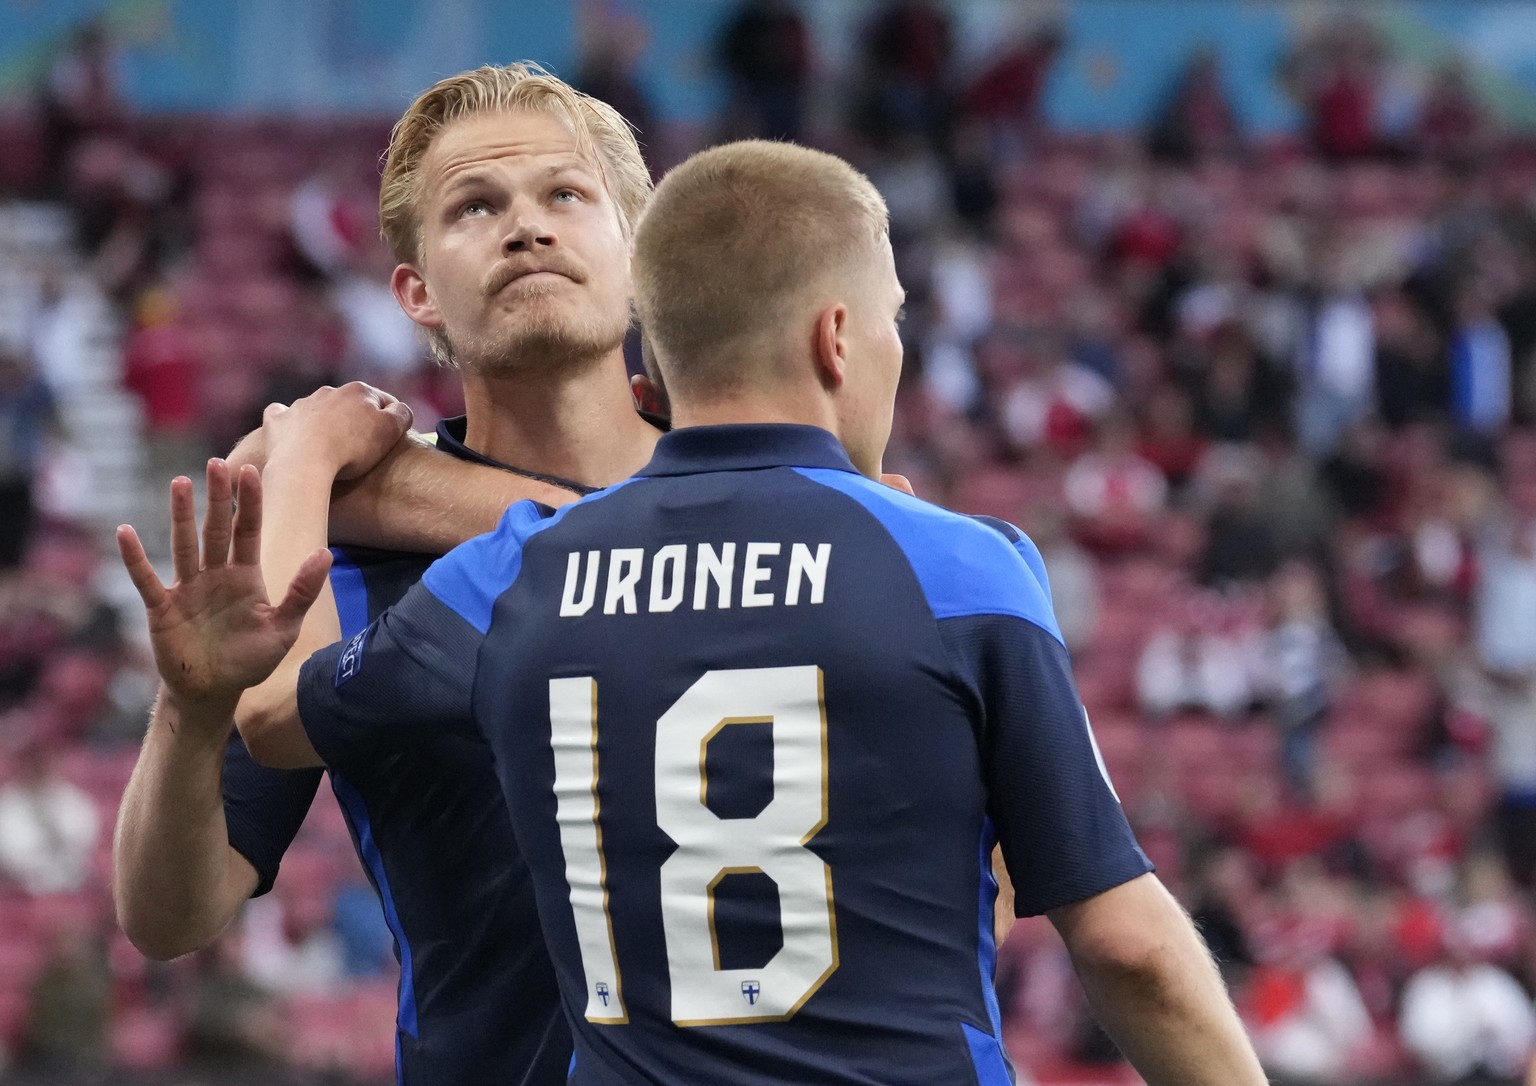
pixel 1266 406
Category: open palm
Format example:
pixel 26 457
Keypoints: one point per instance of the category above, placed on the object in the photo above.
pixel 213 631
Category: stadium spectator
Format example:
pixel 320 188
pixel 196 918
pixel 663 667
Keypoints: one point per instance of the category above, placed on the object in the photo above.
pixel 233 1025
pixel 1453 124
pixel 69 1012
pixel 1481 377
pixel 764 50
pixel 48 826
pixel 1302 665
pixel 1005 95
pixel 1194 665
pixel 1466 1020
pixel 80 96
pixel 904 79
pixel 1336 76
pixel 1505 634
pixel 1309 1020
pixel 612 40
pixel 1196 119
pixel 28 419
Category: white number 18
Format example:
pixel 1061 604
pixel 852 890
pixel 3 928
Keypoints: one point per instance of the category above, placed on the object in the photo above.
pixel 789 700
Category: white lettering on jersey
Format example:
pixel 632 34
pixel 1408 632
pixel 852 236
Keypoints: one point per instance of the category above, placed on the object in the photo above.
pixel 723 576
pixel 624 568
pixel 570 606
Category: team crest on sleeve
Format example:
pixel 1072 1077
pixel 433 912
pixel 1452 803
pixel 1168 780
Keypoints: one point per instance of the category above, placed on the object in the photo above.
pixel 750 990
pixel 351 661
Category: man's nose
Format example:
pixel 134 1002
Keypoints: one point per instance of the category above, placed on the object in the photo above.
pixel 527 233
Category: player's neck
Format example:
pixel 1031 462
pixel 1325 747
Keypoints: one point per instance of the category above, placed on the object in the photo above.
pixel 577 425
pixel 783 406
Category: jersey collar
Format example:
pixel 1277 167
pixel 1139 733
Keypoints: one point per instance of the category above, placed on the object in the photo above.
pixel 743 447
pixel 450 438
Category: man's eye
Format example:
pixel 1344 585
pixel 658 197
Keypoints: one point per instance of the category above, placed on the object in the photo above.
pixel 567 196
pixel 474 207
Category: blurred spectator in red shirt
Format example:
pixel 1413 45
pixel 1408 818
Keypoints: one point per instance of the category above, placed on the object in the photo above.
pixel 1006 95
pixel 1336 77
pixel 1452 123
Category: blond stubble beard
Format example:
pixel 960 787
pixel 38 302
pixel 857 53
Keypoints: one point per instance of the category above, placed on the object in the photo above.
pixel 541 342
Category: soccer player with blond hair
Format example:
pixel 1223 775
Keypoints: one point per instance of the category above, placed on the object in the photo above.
pixel 509 200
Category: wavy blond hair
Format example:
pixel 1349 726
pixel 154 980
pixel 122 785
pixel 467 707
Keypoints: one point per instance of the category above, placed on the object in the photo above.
pixel 602 134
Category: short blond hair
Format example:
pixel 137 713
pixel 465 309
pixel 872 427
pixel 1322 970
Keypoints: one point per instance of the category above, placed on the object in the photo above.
pixel 601 132
pixel 731 243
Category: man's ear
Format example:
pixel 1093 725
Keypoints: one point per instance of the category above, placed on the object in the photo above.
pixel 410 290
pixel 649 396
pixel 831 346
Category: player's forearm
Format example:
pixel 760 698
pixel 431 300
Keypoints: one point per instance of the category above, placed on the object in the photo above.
pixel 1156 991
pixel 176 882
pixel 419 499
pixel 296 494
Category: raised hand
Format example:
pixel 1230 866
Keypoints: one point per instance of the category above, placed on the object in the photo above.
pixel 213 631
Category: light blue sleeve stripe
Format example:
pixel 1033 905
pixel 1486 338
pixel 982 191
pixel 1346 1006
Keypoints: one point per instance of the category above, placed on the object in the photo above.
pixel 987 1057
pixel 356 810
pixel 351 594
pixel 986 945
pixel 965 566
pixel 470 578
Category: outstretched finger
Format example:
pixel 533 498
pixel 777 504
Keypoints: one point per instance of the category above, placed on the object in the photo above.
pixel 305 587
pixel 247 550
pixel 140 572
pixel 216 521
pixel 183 529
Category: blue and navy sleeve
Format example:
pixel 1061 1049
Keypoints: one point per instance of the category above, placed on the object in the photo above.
pixel 1062 831
pixel 411 673
pixel 263 809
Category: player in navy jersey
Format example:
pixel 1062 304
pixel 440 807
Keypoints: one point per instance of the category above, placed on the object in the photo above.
pixel 758 719
pixel 508 200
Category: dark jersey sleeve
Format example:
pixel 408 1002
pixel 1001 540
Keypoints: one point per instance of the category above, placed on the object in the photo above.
pixel 411 673
pixel 1057 817
pixel 263 809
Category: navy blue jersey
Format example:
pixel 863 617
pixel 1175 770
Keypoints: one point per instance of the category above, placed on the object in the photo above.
pixel 478 1000
pixel 759 721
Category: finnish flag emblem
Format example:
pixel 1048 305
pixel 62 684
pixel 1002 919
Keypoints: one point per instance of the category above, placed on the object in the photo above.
pixel 602 992
pixel 750 990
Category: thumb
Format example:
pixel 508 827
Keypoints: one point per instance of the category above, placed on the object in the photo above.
pixel 305 587
pixel 401 412
pixel 898 482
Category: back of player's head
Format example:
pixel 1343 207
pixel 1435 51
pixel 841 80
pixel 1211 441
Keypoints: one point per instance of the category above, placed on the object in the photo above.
pixel 736 243
pixel 601 133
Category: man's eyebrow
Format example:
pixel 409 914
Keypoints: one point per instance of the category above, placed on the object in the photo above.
pixel 571 165
pixel 466 179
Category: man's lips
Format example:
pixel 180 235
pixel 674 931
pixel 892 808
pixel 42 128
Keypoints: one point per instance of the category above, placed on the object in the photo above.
pixel 503 279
